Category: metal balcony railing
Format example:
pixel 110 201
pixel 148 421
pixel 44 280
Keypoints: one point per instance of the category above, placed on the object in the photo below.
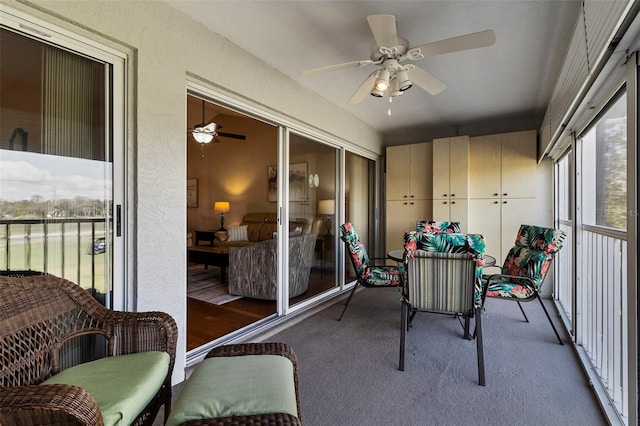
pixel 72 248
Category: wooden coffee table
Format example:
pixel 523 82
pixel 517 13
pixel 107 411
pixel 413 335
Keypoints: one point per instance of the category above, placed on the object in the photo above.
pixel 210 255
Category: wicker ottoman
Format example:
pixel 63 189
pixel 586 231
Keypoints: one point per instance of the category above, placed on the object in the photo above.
pixel 251 383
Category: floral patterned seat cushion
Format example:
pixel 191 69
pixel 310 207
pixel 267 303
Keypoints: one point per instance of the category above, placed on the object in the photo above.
pixel 369 275
pixel 438 226
pixel 530 257
pixel 473 244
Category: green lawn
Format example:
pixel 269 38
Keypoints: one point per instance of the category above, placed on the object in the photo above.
pixel 77 265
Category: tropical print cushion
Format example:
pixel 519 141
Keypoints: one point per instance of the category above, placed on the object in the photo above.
pixel 368 275
pixel 530 258
pixel 473 244
pixel 437 226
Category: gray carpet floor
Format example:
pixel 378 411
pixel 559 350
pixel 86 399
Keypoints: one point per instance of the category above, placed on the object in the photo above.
pixel 349 370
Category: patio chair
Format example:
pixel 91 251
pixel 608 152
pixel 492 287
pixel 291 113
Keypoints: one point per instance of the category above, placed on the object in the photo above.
pixel 367 274
pixel 53 370
pixel 434 226
pixel 443 275
pixel 526 267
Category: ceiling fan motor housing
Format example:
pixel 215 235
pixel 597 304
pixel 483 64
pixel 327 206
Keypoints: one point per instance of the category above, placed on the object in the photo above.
pixel 400 49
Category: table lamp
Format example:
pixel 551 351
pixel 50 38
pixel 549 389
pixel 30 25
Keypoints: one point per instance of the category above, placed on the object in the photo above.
pixel 327 207
pixel 221 207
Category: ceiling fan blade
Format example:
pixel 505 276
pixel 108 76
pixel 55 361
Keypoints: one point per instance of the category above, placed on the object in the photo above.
pixel 426 81
pixel 231 135
pixel 354 64
pixel 364 89
pixel 384 30
pixel 456 44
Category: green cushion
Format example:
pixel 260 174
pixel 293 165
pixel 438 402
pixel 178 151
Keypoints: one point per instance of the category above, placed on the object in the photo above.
pixel 239 385
pixel 122 385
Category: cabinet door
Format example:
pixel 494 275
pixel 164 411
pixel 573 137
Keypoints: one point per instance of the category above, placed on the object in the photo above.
pixel 485 166
pixel 398 174
pixel 441 210
pixel 484 218
pixel 440 171
pixel 420 174
pixel 519 164
pixel 459 212
pixel 458 167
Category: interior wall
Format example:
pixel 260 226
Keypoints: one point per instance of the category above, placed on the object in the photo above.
pixel 169 48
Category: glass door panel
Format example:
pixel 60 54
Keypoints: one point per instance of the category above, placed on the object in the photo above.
pixel 359 196
pixel 313 186
pixel 56 185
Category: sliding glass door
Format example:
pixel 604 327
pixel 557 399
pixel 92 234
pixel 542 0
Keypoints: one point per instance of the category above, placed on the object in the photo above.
pixel 61 198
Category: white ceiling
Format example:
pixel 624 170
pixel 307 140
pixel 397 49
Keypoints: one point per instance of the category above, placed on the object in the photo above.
pixel 509 83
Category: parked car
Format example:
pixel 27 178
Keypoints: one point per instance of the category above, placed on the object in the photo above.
pixel 98 246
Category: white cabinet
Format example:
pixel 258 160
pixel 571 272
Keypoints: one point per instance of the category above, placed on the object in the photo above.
pixel 408 190
pixel 502 187
pixel 499 221
pixel 503 165
pixel 451 179
pixel 402 216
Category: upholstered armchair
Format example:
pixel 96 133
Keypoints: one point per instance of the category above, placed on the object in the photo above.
pixel 525 268
pixel 253 270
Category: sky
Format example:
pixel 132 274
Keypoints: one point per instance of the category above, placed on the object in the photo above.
pixel 25 174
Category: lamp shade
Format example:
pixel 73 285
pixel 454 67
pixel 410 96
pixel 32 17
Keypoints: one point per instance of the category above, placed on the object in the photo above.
pixel 221 206
pixel 202 137
pixel 327 207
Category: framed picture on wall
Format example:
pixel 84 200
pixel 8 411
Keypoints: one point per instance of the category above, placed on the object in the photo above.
pixel 192 192
pixel 297 182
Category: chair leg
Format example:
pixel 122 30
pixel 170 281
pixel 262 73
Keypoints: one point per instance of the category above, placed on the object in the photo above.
pixel 522 310
pixel 549 318
pixel 467 321
pixel 479 347
pixel 346 305
pixel 404 313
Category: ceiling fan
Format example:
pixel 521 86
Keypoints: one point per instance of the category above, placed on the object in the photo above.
pixel 206 133
pixel 391 51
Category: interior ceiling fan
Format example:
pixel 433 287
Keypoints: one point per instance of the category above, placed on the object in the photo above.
pixel 391 52
pixel 205 133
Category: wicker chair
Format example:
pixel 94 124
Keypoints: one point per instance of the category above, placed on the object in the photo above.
pixel 40 315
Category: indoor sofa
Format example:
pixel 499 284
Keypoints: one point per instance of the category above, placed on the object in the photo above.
pixel 260 226
pixel 253 270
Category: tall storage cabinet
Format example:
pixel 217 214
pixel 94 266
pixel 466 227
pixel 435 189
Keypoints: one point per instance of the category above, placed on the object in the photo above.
pixel 451 180
pixel 408 189
pixel 502 187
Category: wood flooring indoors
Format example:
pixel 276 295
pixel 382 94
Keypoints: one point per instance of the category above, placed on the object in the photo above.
pixel 207 322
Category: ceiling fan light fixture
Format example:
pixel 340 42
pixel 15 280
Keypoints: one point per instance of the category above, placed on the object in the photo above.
pixel 377 93
pixel 404 83
pixel 202 137
pixel 382 83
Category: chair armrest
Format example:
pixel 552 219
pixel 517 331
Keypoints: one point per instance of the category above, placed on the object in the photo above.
pixel 523 281
pixel 133 332
pixel 48 404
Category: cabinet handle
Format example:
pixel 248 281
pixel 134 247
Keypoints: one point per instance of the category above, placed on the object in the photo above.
pixel 496 194
pixel 495 202
pixel 444 202
pixel 453 202
pixel 504 202
pixel 411 196
pixel 411 203
pixel 453 195
pixel 406 196
pixel 405 203
pixel 505 194
pixel 444 195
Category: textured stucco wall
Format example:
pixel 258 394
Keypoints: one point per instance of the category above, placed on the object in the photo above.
pixel 167 46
